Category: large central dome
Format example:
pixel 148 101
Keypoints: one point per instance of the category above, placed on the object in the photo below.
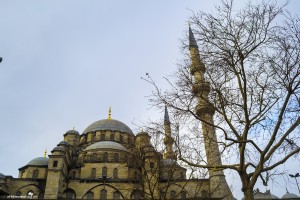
pixel 108 124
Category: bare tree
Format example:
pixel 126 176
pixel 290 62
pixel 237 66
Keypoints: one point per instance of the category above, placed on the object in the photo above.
pixel 251 60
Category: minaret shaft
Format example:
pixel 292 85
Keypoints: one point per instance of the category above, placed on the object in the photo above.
pixel 205 111
pixel 168 140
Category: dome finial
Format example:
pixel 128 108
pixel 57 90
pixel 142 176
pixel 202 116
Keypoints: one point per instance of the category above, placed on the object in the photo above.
pixel 45 153
pixel 109 113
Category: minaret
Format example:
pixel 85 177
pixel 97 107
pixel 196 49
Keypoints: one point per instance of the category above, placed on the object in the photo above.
pixel 168 140
pixel 205 111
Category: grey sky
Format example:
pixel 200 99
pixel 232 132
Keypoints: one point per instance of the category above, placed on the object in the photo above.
pixel 65 62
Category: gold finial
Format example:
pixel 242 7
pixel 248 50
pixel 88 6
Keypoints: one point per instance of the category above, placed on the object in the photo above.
pixel 45 153
pixel 109 113
pixel 189 23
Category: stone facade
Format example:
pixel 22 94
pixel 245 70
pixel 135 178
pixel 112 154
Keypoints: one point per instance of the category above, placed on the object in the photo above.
pixel 106 161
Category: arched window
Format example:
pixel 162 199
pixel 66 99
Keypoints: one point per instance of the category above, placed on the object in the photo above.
pixel 115 174
pixel 94 157
pixel 105 157
pixel 104 172
pixel 73 174
pixel 18 193
pixel 93 173
pixel 69 194
pixel 35 173
pixel 41 195
pixel 172 194
pixel 102 136
pixel 182 175
pixel 136 194
pixel 90 195
pixel 112 137
pixel 116 195
pixel 121 138
pixel 116 157
pixel 103 194
pixel 30 193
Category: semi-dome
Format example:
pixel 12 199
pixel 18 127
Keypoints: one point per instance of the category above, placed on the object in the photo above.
pixel 106 145
pixel 108 124
pixel 39 161
pixel 290 196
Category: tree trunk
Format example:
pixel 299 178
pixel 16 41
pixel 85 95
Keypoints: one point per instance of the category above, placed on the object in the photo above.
pixel 248 193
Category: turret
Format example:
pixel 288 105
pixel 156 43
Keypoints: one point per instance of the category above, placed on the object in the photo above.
pixel 205 111
pixel 168 140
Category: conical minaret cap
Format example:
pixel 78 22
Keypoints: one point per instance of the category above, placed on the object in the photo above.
pixel 192 40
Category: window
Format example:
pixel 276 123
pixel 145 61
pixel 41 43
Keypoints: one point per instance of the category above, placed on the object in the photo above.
pixel 152 165
pixel 115 174
pixel 121 138
pixel 102 136
pixel 136 195
pixel 182 175
pixel 172 194
pixel 93 173
pixel 73 174
pixel 116 157
pixel 112 137
pixel 41 195
pixel 69 194
pixel 94 157
pixel 30 193
pixel 18 193
pixel 103 194
pixel 104 172
pixel 105 157
pixel 35 173
pixel 90 195
pixel 55 163
pixel 116 195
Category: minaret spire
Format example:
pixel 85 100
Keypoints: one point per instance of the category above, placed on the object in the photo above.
pixel 168 140
pixel 205 111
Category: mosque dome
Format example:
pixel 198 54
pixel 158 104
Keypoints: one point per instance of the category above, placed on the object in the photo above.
pixel 106 145
pixel 39 161
pixel 108 124
pixel 290 196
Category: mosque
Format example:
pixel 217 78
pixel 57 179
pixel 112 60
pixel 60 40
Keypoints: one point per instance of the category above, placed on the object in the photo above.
pixel 108 161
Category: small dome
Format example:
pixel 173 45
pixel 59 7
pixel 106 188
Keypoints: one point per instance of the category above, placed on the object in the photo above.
pixel 106 145
pixel 72 132
pixel 63 143
pixel 58 148
pixel 2 175
pixel 39 161
pixel 290 196
pixel 108 124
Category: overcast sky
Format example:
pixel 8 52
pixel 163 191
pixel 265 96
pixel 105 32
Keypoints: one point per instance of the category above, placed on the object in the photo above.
pixel 65 62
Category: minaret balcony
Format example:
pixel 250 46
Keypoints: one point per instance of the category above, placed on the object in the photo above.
pixel 201 87
pixel 197 67
pixel 204 108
